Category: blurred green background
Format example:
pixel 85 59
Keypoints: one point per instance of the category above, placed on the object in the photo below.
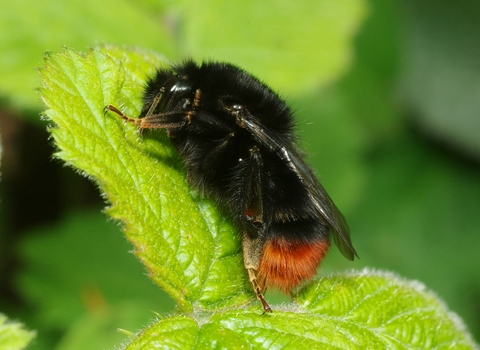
pixel 387 97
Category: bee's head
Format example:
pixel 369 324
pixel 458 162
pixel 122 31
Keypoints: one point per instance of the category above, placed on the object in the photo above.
pixel 168 93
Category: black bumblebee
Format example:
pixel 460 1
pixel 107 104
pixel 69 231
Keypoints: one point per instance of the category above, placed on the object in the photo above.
pixel 236 137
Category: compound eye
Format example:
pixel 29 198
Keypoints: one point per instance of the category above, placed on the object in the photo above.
pixel 175 93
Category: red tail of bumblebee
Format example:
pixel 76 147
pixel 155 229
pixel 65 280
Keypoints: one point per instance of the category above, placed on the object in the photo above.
pixel 285 264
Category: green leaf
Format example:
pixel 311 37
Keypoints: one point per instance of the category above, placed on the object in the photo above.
pixel 12 335
pixel 293 45
pixel 196 260
pixel 380 310
pixel 193 252
pixel 359 310
pixel 173 333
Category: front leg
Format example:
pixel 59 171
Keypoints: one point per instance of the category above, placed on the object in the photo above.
pixel 166 120
pixel 174 118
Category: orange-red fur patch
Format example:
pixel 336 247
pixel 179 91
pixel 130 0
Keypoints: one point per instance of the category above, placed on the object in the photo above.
pixel 285 264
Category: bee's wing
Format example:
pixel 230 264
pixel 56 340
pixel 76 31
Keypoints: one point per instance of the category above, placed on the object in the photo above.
pixel 320 199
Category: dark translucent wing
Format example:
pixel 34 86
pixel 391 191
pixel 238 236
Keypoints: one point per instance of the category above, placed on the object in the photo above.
pixel 322 202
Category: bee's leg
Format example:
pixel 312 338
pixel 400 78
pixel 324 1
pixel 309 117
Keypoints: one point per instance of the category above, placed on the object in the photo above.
pixel 149 112
pixel 168 120
pixel 252 249
pixel 120 114
pixel 177 117
pixel 253 236
pixel 150 120
pixel 154 104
